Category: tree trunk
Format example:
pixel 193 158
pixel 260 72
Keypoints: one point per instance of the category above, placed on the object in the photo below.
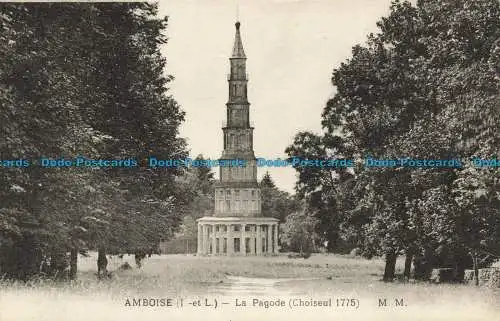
pixel 476 269
pixel 102 263
pixel 408 260
pixel 73 263
pixel 390 266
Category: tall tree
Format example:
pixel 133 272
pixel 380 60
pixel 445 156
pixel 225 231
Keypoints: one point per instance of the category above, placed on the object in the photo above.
pixel 423 87
pixel 275 202
pixel 114 104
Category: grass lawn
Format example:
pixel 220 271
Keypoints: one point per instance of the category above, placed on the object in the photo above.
pixel 267 278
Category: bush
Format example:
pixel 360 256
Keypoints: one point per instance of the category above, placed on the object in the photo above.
pixel 299 233
pixel 125 266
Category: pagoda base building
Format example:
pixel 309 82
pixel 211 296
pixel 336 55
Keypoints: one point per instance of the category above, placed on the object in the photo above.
pixel 224 235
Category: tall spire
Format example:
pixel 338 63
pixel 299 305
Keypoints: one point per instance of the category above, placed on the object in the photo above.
pixel 238 51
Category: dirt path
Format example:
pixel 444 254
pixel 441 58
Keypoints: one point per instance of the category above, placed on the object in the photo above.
pixel 238 285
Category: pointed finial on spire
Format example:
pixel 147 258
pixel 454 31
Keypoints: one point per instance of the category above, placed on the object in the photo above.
pixel 238 51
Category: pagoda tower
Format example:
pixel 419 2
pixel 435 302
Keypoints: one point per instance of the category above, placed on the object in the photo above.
pixel 237 226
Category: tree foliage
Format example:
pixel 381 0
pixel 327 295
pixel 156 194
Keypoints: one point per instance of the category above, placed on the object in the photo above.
pixel 275 202
pixel 197 185
pixel 298 233
pixel 424 87
pixel 84 79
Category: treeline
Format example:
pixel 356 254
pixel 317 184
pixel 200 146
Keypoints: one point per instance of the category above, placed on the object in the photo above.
pixel 84 79
pixel 425 87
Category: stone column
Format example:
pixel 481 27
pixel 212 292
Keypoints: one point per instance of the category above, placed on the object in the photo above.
pixel 204 244
pixel 221 242
pixel 243 247
pixel 204 239
pixel 259 240
pixel 230 240
pixel 214 240
pixel 275 238
pixel 269 242
pixel 199 245
pixel 208 239
pixel 252 239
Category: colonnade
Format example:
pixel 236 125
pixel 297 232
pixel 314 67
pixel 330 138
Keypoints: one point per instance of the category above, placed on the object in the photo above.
pixel 226 238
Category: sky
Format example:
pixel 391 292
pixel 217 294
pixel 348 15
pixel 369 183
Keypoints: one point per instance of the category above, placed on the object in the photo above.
pixel 292 47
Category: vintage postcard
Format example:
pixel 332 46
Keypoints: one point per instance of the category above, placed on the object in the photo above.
pixel 238 160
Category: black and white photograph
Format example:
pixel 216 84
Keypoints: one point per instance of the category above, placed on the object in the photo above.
pixel 242 160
